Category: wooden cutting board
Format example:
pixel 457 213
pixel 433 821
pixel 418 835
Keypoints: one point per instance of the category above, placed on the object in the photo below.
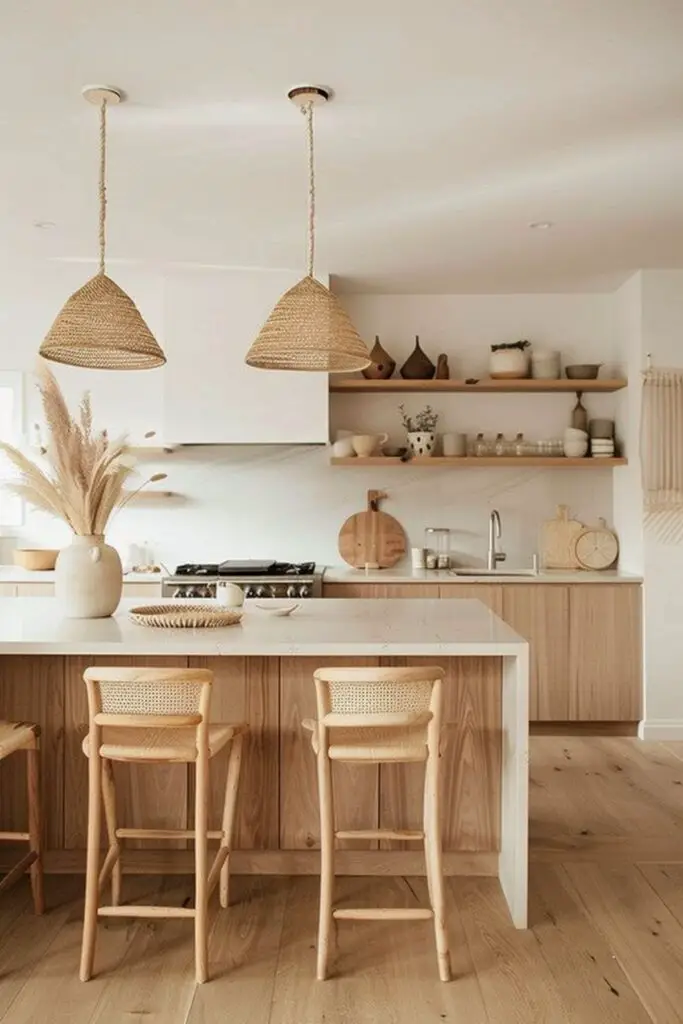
pixel 372 538
pixel 558 541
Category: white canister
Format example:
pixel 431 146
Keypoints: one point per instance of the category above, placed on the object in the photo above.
pixel 545 364
pixel 417 558
pixel 229 594
pixel 454 445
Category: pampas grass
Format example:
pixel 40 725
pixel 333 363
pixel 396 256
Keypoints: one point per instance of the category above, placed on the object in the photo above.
pixel 87 472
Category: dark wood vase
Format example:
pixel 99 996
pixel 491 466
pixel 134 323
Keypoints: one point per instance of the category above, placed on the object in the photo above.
pixel 382 365
pixel 418 366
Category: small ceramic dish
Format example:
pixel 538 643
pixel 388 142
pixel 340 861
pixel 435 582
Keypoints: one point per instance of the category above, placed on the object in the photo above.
pixel 582 371
pixel 279 610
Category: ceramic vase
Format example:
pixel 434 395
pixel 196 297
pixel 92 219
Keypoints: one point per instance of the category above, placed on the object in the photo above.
pixel 418 366
pixel 421 442
pixel 88 579
pixel 382 365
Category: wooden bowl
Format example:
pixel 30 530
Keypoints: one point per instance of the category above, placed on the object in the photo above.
pixel 35 559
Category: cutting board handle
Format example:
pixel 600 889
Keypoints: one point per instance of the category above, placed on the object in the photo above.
pixel 563 512
pixel 374 498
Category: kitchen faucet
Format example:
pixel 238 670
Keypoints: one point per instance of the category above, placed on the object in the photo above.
pixel 494 555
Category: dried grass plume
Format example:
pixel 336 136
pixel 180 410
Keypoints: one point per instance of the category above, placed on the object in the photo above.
pixel 87 472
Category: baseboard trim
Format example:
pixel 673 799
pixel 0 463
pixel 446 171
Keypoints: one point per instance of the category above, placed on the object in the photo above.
pixel 661 729
pixel 277 862
pixel 583 728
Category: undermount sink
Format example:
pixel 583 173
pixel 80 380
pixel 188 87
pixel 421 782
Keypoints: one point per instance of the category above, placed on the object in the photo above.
pixel 493 572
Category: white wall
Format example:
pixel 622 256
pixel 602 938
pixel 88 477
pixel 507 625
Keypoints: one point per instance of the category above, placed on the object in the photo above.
pixel 662 335
pixel 289 503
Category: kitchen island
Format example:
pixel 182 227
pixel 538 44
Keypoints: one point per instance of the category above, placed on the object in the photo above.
pixel 263 676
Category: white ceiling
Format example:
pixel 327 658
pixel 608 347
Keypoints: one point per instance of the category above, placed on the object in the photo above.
pixel 456 123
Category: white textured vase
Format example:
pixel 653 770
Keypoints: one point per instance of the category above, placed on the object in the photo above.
pixel 421 442
pixel 88 579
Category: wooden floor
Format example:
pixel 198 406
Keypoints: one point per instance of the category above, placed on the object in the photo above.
pixel 605 943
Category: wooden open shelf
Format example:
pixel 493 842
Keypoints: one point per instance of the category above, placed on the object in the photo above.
pixel 361 386
pixel 481 462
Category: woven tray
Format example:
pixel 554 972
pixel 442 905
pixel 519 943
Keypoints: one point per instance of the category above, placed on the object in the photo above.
pixel 184 616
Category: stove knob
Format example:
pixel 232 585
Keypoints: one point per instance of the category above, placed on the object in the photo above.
pixel 179 592
pixel 292 590
pixel 261 592
pixel 249 592
pixel 304 590
pixel 206 592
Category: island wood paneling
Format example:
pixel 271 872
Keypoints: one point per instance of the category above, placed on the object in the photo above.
pixel 147 796
pixel 541 616
pixel 246 690
pixel 32 690
pixel 605 655
pixel 470 764
pixel 356 787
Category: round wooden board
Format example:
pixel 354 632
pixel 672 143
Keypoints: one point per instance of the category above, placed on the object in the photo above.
pixel 370 538
pixel 596 548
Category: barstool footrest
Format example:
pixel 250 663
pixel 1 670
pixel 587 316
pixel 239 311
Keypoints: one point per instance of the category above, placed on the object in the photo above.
pixel 383 914
pixel 163 833
pixel 406 835
pixel 140 910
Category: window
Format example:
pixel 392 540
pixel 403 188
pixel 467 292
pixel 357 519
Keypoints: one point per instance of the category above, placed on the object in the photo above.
pixel 11 508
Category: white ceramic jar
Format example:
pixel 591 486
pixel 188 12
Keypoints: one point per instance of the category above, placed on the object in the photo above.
pixel 88 578
pixel 545 364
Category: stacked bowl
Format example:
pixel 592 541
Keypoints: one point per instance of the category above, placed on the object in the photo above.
pixel 575 443
pixel 601 438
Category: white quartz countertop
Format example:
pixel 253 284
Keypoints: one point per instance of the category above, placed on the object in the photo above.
pixel 320 627
pixel 344 574
pixel 15 574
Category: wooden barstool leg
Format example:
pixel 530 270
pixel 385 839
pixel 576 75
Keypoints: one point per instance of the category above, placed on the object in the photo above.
pixel 326 860
pixel 93 859
pixel 201 800
pixel 35 826
pixel 433 857
pixel 229 805
pixel 109 800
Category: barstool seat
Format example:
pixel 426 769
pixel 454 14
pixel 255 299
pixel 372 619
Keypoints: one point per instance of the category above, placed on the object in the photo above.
pixel 379 716
pixel 168 745
pixel 155 716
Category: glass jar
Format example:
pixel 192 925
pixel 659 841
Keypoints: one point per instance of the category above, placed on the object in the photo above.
pixel 438 544
pixel 500 446
pixel 479 446
pixel 520 445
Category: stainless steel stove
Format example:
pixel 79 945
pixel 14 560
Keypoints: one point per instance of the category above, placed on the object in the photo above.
pixel 256 578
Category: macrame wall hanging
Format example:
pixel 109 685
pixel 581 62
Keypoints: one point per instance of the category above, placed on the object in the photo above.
pixel 661 453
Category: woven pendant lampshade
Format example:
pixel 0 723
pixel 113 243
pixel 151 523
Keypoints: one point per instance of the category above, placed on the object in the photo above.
pixel 99 326
pixel 309 329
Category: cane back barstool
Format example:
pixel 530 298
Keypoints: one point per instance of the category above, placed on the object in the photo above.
pixel 15 736
pixel 155 716
pixel 379 716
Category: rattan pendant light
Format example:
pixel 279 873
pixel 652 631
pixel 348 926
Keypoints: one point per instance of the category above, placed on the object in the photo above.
pixel 99 326
pixel 309 329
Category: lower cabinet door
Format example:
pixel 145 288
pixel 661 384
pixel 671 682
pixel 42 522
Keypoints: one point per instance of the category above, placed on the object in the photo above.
pixel 605 653
pixel 540 613
pixel 491 596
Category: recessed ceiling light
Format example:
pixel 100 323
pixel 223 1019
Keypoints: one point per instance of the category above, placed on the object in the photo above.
pixel 44 225
pixel 541 225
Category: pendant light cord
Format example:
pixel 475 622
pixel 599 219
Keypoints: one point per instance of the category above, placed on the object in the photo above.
pixel 102 183
pixel 307 111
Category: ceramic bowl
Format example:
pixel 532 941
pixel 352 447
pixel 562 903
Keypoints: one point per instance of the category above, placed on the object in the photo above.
pixel 343 448
pixel 393 451
pixel 277 610
pixel 573 434
pixel 35 559
pixel 582 371
pixel 575 449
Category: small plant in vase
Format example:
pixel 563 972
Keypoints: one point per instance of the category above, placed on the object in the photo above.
pixel 510 360
pixel 421 430
pixel 83 485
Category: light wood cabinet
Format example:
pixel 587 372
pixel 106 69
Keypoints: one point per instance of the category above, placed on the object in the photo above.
pixel 381 590
pixel 605 653
pixel 541 616
pixel 151 591
pixel 585 641
pixel 490 595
